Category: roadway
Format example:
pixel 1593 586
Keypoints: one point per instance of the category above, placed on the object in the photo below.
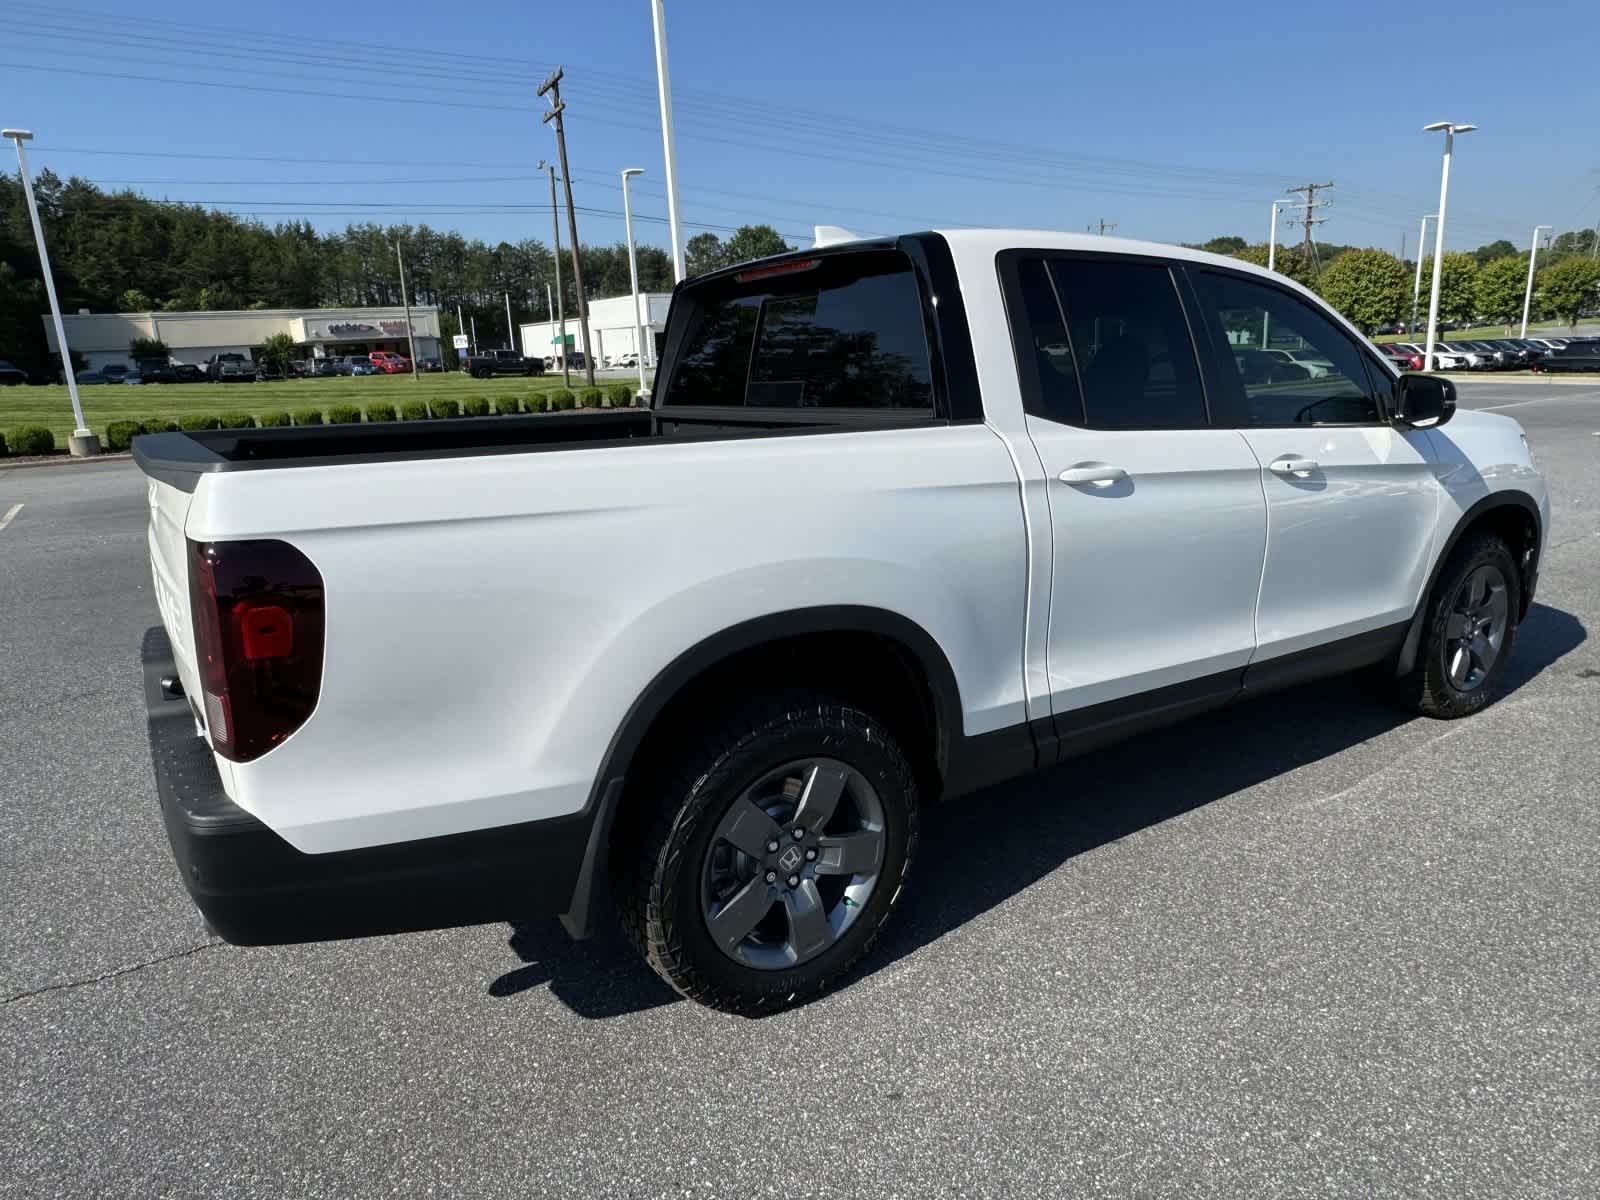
pixel 1306 947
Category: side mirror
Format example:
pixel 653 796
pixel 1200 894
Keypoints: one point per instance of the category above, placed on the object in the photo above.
pixel 1422 402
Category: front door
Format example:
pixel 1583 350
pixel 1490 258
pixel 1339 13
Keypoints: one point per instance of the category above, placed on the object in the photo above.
pixel 1351 501
pixel 1158 522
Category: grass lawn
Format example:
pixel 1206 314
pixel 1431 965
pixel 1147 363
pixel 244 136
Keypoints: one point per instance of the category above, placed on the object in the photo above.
pixel 104 403
pixel 1535 329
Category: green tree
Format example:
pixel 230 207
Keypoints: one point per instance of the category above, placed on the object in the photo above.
pixel 753 241
pixel 1287 262
pixel 134 301
pixel 143 347
pixel 1458 274
pixel 279 351
pixel 1500 286
pixel 703 252
pixel 1487 253
pixel 1569 288
pixel 1367 286
pixel 1231 244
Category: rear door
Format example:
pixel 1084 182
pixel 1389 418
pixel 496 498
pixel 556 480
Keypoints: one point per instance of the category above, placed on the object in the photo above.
pixel 1351 501
pixel 1157 520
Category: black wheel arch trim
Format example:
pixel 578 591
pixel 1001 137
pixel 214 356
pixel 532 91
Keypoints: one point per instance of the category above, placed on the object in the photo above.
pixel 606 795
pixel 1509 498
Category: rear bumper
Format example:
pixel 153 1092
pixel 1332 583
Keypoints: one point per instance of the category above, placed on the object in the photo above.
pixel 254 888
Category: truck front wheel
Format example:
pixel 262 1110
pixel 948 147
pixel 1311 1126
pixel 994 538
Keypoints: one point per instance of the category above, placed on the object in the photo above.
pixel 779 845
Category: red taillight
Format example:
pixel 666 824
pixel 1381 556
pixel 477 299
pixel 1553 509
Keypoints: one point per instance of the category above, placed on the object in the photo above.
pixel 258 628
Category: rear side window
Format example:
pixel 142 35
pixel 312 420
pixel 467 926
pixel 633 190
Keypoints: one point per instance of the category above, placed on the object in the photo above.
pixel 840 331
pixel 1106 345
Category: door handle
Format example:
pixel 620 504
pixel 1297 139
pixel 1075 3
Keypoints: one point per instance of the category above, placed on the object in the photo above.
pixel 1293 466
pixel 1094 474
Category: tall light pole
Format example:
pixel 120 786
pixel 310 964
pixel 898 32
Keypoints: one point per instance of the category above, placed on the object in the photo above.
pixel 82 443
pixel 1272 236
pixel 633 268
pixel 1527 296
pixel 561 300
pixel 511 333
pixel 658 17
pixel 1416 288
pixel 1450 130
pixel 411 341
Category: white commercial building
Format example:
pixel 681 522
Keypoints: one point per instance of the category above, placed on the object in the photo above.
pixel 612 325
pixel 192 337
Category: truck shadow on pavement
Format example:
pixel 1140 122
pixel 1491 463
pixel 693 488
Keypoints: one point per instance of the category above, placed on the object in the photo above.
pixel 984 849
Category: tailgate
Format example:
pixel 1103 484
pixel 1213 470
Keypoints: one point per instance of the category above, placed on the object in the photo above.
pixel 169 564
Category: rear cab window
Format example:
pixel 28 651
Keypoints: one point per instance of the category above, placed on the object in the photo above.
pixel 1102 343
pixel 831 333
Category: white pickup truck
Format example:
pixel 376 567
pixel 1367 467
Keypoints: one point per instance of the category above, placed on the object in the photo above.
pixel 906 517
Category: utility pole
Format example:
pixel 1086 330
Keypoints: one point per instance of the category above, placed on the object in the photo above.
pixel 511 331
pixel 553 86
pixel 561 300
pixel 411 341
pixel 1309 245
pixel 1100 227
pixel 474 333
pixel 461 327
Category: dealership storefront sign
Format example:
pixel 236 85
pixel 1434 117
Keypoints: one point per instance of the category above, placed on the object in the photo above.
pixel 345 331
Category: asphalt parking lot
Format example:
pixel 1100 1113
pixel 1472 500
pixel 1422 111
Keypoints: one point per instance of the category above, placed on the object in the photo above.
pixel 1306 947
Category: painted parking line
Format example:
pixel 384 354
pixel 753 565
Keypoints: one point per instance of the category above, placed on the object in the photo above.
pixel 10 514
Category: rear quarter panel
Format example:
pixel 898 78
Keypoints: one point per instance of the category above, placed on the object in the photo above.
pixel 490 620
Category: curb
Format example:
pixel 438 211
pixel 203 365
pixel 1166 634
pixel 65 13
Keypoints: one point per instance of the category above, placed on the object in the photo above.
pixel 60 460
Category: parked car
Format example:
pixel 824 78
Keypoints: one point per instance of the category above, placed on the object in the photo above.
pixel 503 362
pixel 1313 365
pixel 230 368
pixel 430 365
pixel 324 368
pixel 1396 351
pixel 10 376
pixel 359 364
pixel 268 371
pixel 114 371
pixel 90 378
pixel 1518 356
pixel 1399 360
pixel 134 378
pixel 738 737
pixel 1575 356
pixel 1473 360
pixel 188 373
pixel 1443 360
pixel 390 363
pixel 156 370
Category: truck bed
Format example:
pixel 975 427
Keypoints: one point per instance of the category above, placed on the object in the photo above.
pixel 180 459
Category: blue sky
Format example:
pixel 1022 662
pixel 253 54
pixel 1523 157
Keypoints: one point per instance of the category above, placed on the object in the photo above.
pixel 1177 122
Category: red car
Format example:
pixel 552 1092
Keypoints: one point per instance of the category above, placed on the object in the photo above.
pixel 1413 357
pixel 390 363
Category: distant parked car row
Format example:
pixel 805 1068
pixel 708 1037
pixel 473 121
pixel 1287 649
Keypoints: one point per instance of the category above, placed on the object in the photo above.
pixel 1482 354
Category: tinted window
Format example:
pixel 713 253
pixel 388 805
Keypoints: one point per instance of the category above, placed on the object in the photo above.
pixel 1295 366
pixel 845 332
pixel 1114 334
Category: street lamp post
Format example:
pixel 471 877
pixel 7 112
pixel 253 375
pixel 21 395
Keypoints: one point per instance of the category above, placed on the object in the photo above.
pixel 1272 236
pixel 658 19
pixel 1416 288
pixel 1527 296
pixel 633 269
pixel 82 443
pixel 1450 130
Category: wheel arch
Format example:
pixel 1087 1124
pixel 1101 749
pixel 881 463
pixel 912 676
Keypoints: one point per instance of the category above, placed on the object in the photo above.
pixel 1512 515
pixel 855 638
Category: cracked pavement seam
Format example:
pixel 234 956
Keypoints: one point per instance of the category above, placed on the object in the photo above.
pixel 68 984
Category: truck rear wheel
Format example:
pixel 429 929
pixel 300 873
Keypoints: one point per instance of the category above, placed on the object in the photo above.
pixel 778 848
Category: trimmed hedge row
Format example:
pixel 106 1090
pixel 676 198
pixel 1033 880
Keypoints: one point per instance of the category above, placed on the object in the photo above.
pixel 31 439
pixel 119 435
